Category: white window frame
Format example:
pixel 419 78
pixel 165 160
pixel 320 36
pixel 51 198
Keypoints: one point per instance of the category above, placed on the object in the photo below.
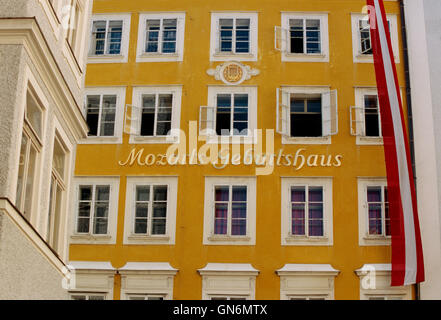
pixel 136 114
pixel 147 279
pixel 211 135
pixel 282 38
pixel 209 237
pixel 172 193
pixel 293 240
pixel 356 41
pixel 111 58
pixel 228 279
pixel 357 119
pixel 214 36
pixel 375 281
pixel 142 56
pixel 110 237
pixel 284 93
pixel 307 281
pixel 364 239
pixel 120 93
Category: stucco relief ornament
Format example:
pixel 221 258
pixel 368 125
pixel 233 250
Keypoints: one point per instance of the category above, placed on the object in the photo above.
pixel 233 73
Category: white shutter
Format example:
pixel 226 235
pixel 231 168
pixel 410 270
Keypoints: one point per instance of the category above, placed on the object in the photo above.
pixel 132 119
pixel 330 113
pixel 357 121
pixel 283 111
pixel 280 39
pixel 207 120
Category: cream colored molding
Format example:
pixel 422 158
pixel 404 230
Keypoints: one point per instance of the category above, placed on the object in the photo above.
pixel 233 73
pixel 315 280
pixel 26 32
pixel 29 232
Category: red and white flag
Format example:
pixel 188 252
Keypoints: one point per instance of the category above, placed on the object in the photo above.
pixel 407 253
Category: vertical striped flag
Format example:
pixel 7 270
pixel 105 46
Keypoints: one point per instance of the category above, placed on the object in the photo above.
pixel 407 253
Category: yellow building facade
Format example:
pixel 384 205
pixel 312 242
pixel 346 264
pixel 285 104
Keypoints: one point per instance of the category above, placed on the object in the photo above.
pixel 312 225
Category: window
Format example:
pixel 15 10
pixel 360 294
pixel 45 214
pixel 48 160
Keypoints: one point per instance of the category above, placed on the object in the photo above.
pixel 233 36
pixel 162 38
pixel 87 296
pixel 147 281
pixel 307 281
pixel 231 111
pixel 104 109
pixel 109 38
pixel 231 114
pixel 306 115
pixel 96 206
pixel 228 281
pixel 373 212
pixel 303 37
pixel 93 209
pixel 365 117
pixel 57 194
pixel 155 114
pixel 30 150
pixel 101 115
pixel 306 211
pixel 361 38
pixel 151 210
pixel 230 210
pixel 375 284
pixel 74 25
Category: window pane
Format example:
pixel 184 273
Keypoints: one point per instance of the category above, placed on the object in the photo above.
pixel 316 228
pixel 159 193
pixel 220 218
pixel 98 37
pixel 298 194
pixel 222 193
pixel 148 114
pixel 142 193
pixel 240 193
pixel 93 110
pixel 108 116
pixel 296 35
pixel 33 114
pixel 374 194
pixel 226 35
pixel 223 114
pixel 315 194
pixel 169 36
pixel 30 177
pixel 140 226
pixel 313 42
pixel 314 105
pixel 297 105
pixel 114 37
pixel 21 168
pixel 242 35
pixel 239 210
pixel 238 227
pixel 102 193
pixel 372 116
pixel 85 193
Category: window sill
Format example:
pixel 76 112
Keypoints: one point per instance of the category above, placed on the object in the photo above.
pixel 147 239
pixel 306 241
pixel 228 56
pixel 101 140
pixel 158 57
pixel 80 238
pixel 369 58
pixel 306 140
pixel 375 240
pixel 305 57
pixel 228 238
pixel 362 140
pixel 107 58
pixel 153 139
